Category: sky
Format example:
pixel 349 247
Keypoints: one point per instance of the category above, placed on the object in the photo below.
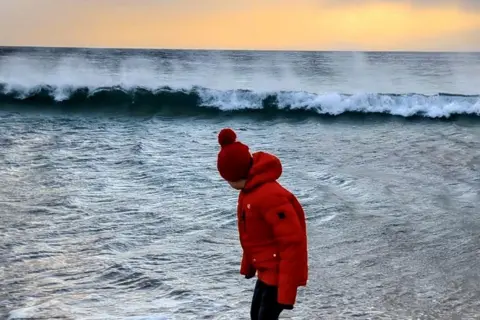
pixel 406 25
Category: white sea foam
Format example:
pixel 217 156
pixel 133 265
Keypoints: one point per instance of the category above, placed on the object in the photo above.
pixel 327 83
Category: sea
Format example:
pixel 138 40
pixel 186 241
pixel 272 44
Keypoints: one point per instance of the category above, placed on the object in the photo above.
pixel 111 206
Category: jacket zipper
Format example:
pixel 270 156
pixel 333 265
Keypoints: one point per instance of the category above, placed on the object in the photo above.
pixel 244 219
pixel 243 216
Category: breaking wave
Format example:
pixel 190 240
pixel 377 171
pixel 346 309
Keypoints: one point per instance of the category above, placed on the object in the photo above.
pixel 203 100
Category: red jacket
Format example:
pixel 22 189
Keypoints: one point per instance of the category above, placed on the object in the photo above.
pixel 272 229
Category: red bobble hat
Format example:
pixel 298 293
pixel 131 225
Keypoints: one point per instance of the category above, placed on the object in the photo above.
pixel 234 159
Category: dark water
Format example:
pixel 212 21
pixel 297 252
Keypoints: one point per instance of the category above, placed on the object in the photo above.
pixel 112 209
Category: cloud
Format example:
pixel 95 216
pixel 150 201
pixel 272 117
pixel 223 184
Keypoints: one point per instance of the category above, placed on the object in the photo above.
pixel 463 41
pixel 240 24
pixel 462 4
pixel 465 4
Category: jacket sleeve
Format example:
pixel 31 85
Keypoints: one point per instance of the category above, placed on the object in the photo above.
pixel 289 235
pixel 246 267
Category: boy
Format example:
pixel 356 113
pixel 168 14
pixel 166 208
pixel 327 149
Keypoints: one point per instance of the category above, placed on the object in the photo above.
pixel 271 225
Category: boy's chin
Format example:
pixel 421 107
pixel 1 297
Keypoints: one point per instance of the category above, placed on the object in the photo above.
pixel 238 185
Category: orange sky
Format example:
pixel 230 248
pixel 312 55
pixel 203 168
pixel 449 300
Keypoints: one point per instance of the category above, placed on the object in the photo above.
pixel 246 24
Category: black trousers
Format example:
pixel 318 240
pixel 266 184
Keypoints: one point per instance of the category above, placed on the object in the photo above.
pixel 264 303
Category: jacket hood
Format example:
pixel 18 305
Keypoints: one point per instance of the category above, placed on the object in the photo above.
pixel 265 168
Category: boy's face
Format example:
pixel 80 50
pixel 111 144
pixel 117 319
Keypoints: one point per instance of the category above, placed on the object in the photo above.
pixel 237 185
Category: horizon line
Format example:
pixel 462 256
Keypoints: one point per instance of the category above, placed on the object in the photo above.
pixel 232 49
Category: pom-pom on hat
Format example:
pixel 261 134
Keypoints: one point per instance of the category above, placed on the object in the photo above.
pixel 234 159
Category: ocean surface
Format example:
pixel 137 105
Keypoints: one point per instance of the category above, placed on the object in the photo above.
pixel 111 206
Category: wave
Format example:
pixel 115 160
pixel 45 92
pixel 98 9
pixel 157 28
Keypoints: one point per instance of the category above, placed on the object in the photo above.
pixel 203 100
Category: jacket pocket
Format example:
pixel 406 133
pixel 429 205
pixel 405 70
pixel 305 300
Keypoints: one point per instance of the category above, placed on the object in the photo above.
pixel 265 260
